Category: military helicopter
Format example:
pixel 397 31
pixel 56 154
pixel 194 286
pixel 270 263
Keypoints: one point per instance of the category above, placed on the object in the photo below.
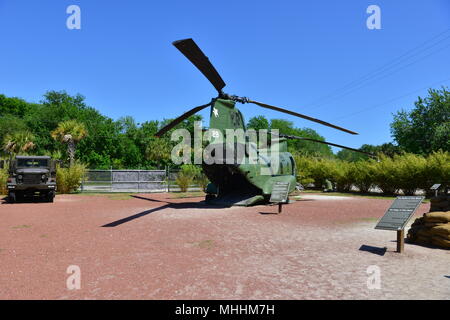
pixel 241 183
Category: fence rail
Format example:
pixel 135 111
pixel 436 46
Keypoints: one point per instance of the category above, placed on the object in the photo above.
pixel 132 181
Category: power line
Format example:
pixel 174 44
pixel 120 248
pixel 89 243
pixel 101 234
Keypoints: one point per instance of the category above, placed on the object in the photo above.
pixel 389 74
pixel 386 67
pixel 391 100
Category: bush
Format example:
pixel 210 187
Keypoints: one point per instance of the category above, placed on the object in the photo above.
pixel 410 172
pixel 3 178
pixel 183 181
pixel 437 170
pixel 69 179
pixel 406 172
pixel 186 176
pixel 363 175
pixel 385 175
pixel 304 169
pixel 325 169
pixel 343 175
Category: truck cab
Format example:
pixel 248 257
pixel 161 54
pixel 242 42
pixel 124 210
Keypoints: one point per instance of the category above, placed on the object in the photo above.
pixel 31 176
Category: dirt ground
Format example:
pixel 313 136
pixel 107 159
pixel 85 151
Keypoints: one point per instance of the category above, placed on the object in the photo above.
pixel 153 246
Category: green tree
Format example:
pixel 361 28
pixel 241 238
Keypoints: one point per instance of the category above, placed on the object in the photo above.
pixel 13 106
pixel 258 123
pixel 18 142
pixel 387 149
pixel 10 124
pixel 70 132
pixel 426 128
pixel 303 147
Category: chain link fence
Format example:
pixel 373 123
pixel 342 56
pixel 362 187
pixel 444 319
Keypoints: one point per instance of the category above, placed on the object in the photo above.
pixel 132 181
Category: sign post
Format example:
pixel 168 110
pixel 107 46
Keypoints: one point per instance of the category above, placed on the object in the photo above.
pixel 435 188
pixel 398 215
pixel 400 241
pixel 280 192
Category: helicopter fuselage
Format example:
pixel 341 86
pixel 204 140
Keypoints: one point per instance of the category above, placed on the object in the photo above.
pixel 255 170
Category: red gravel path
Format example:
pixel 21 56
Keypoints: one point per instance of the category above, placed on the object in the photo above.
pixel 154 247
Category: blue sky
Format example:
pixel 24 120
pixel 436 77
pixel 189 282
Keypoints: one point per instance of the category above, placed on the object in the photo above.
pixel 294 54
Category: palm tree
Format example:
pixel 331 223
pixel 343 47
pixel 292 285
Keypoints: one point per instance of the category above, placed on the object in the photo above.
pixel 21 141
pixel 70 132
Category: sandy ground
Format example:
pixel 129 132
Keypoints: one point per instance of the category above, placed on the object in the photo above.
pixel 156 247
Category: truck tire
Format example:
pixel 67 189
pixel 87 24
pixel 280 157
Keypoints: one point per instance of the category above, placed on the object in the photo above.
pixel 11 197
pixel 50 196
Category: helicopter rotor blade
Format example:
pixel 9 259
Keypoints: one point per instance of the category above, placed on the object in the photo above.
pixel 267 106
pixel 191 51
pixel 178 120
pixel 325 142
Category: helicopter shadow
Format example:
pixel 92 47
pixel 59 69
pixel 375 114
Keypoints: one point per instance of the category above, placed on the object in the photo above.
pixel 167 205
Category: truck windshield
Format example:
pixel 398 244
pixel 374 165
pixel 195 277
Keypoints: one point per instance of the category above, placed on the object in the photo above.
pixel 31 163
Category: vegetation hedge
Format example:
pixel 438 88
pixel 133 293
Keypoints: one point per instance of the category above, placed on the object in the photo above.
pixel 400 174
pixel 3 178
pixel 69 179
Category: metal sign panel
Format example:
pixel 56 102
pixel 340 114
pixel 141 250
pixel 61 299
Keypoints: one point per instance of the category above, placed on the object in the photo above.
pixel 280 192
pixel 398 215
pixel 435 186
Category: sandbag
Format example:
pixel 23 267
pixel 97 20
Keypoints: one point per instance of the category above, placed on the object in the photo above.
pixel 423 240
pixel 440 242
pixel 433 224
pixel 424 232
pixel 443 229
pixel 437 216
pixel 418 222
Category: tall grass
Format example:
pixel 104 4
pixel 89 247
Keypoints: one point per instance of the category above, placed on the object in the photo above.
pixel 3 178
pixel 190 174
pixel 404 173
pixel 69 179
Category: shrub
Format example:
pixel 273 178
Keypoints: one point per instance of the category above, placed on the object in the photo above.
pixel 322 170
pixel 406 172
pixel 3 178
pixel 186 176
pixel 410 172
pixel 363 175
pixel 304 169
pixel 183 181
pixel 385 175
pixel 437 170
pixel 343 175
pixel 69 179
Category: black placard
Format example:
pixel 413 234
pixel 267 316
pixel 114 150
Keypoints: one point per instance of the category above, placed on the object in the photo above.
pixel 398 215
pixel 280 192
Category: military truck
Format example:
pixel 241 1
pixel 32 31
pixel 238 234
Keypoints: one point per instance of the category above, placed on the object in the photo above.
pixel 31 176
